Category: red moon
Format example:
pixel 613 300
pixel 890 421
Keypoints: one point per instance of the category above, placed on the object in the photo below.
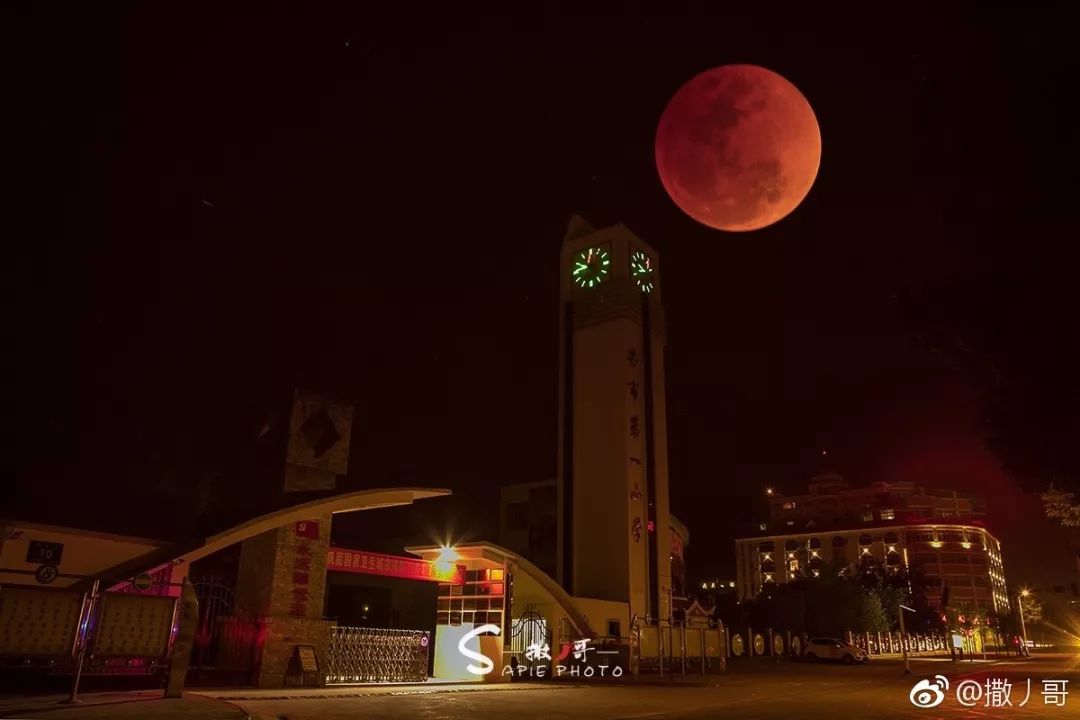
pixel 738 147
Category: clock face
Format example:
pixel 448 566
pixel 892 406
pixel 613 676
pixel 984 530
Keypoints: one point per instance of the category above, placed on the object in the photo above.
pixel 641 269
pixel 591 266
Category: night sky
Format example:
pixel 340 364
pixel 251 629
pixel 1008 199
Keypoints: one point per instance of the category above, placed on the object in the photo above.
pixel 206 210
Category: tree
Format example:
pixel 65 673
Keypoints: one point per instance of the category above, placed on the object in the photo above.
pixel 1060 506
pixel 1032 608
pixel 872 615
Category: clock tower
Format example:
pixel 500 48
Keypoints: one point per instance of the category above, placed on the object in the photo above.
pixel 614 539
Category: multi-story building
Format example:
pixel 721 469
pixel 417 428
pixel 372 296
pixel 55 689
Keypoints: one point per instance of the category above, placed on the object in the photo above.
pixel 528 521
pixel 896 525
pixel 830 499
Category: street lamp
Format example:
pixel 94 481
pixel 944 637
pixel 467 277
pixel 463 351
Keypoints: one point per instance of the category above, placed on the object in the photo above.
pixel 903 643
pixel 1023 628
pixel 769 491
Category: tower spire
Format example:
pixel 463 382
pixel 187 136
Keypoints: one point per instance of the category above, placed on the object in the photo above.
pixel 577 227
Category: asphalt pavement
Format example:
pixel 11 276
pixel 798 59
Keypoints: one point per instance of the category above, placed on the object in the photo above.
pixel 757 689
pixel 751 689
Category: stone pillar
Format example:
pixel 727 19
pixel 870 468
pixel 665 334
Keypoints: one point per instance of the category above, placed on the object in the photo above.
pixel 282 582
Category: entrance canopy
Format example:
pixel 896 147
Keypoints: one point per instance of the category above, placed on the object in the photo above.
pixel 186 553
pixel 531 584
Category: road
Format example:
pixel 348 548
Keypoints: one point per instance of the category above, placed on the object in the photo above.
pixel 748 690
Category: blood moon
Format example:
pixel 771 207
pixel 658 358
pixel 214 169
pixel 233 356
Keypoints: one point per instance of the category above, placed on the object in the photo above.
pixel 738 147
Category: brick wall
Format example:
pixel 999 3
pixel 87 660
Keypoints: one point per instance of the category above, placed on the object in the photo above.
pixel 282 580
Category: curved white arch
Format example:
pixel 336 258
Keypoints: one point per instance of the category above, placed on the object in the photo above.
pixel 335 504
pixel 349 502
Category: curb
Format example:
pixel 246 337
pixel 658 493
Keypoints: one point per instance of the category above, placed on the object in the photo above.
pixel 406 690
pixel 13 711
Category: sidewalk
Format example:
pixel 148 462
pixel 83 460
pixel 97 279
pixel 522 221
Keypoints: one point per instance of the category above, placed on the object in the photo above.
pixel 136 705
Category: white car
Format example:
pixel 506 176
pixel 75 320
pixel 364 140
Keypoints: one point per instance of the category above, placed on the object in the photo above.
pixel 833 649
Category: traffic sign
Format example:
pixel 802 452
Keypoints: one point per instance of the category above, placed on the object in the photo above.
pixel 46 574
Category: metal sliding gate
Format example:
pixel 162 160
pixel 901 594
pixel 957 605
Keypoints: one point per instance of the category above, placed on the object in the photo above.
pixel 362 655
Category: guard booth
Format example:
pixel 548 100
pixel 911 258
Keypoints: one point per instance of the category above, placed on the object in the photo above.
pixel 520 605
pixel 481 598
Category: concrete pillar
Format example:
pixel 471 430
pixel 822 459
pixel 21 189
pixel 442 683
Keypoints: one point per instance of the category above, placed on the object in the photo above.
pixel 282 582
pixel 187 623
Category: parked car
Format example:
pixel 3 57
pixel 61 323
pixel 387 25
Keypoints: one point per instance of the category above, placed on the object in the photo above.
pixel 833 649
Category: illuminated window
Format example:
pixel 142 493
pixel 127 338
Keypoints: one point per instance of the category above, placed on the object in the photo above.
pixel 495 574
pixel 868 516
pixel 888 514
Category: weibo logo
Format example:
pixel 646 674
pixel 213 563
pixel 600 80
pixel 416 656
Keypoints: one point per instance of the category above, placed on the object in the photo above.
pixel 927 693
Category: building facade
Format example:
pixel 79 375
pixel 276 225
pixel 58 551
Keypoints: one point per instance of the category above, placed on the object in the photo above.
pixel 528 522
pixel 40 555
pixel 527 526
pixel 830 499
pixel 939 533
pixel 963 557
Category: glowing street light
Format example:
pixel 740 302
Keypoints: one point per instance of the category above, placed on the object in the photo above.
pixel 769 491
pixel 447 554
pixel 1024 593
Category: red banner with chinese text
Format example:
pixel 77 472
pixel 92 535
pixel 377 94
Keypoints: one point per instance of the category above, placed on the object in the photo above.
pixel 373 563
